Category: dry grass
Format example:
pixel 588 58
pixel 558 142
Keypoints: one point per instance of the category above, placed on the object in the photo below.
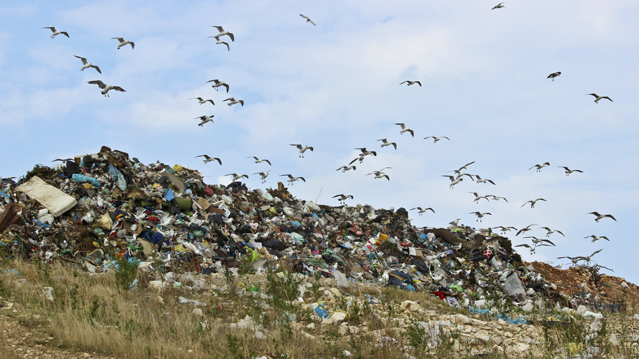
pixel 92 313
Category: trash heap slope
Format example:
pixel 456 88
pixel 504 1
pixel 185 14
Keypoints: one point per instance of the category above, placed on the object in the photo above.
pixel 95 209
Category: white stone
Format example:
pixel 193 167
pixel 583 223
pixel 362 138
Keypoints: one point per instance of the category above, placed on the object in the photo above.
pixel 198 312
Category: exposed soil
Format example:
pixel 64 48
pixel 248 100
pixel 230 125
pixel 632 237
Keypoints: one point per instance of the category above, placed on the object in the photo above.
pixel 579 279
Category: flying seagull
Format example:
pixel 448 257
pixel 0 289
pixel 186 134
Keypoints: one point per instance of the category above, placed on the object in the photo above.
pixel 106 88
pixel 220 42
pixel 596 238
pixel 205 119
pixel 346 168
pixel 124 42
pixel 553 75
pixel 574 260
pixel 263 175
pixel 236 176
pixel 540 166
pixel 411 83
pixel 56 32
pixel 532 202
pixel 453 180
pixel 308 20
pixel 233 101
pixel 589 258
pixel 380 172
pixel 455 222
pixel 601 216
pixel 381 175
pixel 87 64
pixel 257 160
pixel 505 229
pixel 597 97
pixel 478 197
pixel 405 129
pixel 209 159
pixel 202 101
pixel 496 198
pixel 364 152
pixel 218 84
pixel 551 231
pixel 569 171
pixel 422 210
pixel 480 180
pixel 302 149
pixel 498 6
pixel 223 32
pixel 538 241
pixel 292 179
pixel 480 215
pixel 462 167
pixel 436 139
pixel 342 197
pixel 525 229
pixel 386 143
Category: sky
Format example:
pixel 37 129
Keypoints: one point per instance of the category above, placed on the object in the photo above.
pixel 336 87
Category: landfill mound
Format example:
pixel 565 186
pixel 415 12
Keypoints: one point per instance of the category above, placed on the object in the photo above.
pixel 94 209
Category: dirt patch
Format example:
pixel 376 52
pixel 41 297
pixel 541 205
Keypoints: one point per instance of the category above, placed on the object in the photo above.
pixel 573 280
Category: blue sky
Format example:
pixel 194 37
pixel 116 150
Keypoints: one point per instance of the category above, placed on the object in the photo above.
pixel 335 86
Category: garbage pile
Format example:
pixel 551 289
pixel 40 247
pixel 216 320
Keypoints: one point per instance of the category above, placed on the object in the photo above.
pixel 98 208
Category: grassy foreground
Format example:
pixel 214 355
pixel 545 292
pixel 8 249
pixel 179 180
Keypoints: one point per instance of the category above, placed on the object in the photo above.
pixel 94 313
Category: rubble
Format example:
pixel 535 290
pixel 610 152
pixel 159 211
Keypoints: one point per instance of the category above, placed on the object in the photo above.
pixel 98 208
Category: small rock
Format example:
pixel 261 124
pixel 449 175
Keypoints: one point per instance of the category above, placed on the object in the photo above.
pixel 198 312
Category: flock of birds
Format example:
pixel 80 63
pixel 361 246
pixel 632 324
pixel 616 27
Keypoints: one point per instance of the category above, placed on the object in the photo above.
pixel 364 152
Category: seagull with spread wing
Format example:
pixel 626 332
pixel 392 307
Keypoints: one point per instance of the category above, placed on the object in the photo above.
pixel 208 159
pixel 596 238
pixel 540 166
pixel 553 75
pixel 217 84
pixel 292 179
pixel 551 231
pixel 205 119
pixel 302 149
pixel 411 83
pixel 56 32
pixel 236 176
pixel 480 215
pixel 202 101
pixel 86 64
pixel 423 210
pixel 569 171
pixel 223 32
pixel 602 216
pixel 405 129
pixel 386 143
pixel 106 88
pixel 342 198
pixel 532 202
pixel 346 168
pixel 233 101
pixel 124 42
pixel 597 97
pixel 263 175
pixel 308 19
pixel 436 139
pixel 525 229
pixel 257 160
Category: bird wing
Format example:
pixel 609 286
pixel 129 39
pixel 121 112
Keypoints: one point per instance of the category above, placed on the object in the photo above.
pixel 219 28
pixel 202 156
pixel 227 87
pixel 606 238
pixel 84 61
pixel 403 82
pixel 121 39
pixel 97 68
pixel 523 245
pixel 340 168
pixel 547 241
pixel 430 209
pixel 560 233
pixel 610 215
pixel 241 102
pixel 99 83
pixel 50 28
pixel 230 99
pixel 412 133
pixel 595 213
pixel 445 138
pixel 595 252
pixel 311 21
pixel 118 88
pixel 67 35
pixel 269 162
pixel 400 124
pixel 337 195
pixel 451 177
pixel 525 204
pixel 429 137
pixel 540 199
pixel 607 98
pixel 350 163
pixel 302 178
pixel 419 83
